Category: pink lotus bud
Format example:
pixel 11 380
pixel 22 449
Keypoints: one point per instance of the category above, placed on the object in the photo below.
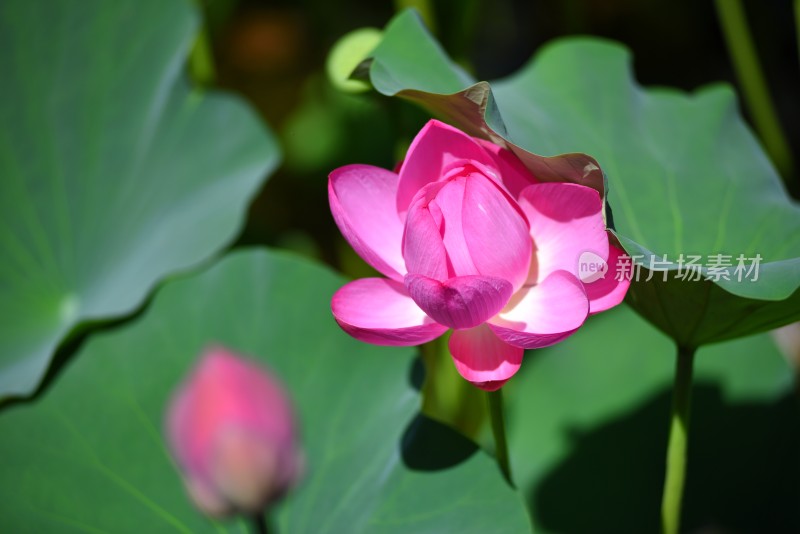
pixel 231 429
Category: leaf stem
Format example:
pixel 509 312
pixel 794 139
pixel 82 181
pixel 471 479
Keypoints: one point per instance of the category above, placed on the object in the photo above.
pixel 678 439
pixel 201 60
pixel 446 396
pixel 497 419
pixel 797 23
pixel 751 77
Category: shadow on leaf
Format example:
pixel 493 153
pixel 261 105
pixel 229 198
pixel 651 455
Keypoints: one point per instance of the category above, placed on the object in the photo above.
pixel 743 470
pixel 428 445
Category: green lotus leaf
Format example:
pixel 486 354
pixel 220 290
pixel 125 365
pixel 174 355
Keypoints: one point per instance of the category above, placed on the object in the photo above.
pixel 116 172
pixel 88 455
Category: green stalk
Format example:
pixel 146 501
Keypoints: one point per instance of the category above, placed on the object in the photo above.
pixel 678 440
pixel 797 23
pixel 497 418
pixel 751 78
pixel 201 60
pixel 446 396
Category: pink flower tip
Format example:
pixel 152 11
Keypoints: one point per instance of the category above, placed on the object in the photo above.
pixel 231 428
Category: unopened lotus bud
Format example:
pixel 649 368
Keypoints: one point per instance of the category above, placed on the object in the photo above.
pixel 232 431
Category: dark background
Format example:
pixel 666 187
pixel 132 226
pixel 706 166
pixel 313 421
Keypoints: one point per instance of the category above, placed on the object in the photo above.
pixel 273 52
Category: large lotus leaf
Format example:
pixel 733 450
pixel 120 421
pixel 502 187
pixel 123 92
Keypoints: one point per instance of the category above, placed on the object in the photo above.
pixel 588 422
pixel 114 170
pixel 88 454
pixel 685 174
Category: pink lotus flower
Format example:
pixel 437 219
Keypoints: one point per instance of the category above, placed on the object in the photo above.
pixel 231 429
pixel 469 241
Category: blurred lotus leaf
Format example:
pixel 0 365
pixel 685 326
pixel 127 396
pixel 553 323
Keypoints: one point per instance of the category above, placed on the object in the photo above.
pixel 116 171
pixel 346 55
pixel 373 464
